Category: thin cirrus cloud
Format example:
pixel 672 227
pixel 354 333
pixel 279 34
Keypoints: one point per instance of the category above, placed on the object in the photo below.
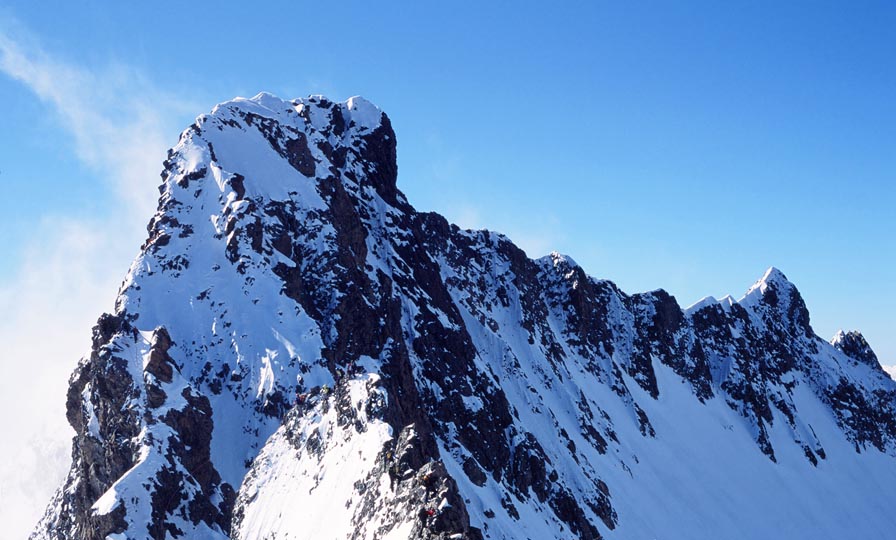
pixel 69 269
pixel 120 122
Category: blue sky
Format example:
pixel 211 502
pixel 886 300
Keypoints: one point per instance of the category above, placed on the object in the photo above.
pixel 683 145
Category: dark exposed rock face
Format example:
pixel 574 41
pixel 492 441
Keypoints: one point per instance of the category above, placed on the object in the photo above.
pixel 101 452
pixel 291 307
pixel 853 345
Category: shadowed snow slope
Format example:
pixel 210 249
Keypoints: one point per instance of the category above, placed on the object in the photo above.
pixel 298 354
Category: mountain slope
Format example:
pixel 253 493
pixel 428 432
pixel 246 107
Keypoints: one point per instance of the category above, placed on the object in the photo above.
pixel 298 353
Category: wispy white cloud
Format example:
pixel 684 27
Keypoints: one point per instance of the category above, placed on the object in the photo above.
pixel 121 125
pixel 119 120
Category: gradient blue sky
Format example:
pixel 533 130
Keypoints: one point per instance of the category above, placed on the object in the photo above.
pixel 659 144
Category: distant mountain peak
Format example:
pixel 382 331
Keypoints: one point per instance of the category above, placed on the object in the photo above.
pixel 777 300
pixel 854 345
pixel 773 279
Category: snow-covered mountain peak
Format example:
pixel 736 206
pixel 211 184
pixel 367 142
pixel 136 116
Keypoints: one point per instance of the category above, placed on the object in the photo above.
pixel 298 353
pixel 562 262
pixel 700 304
pixel 727 301
pixel 363 113
pixel 772 279
pixel 249 152
pixel 779 303
pixel 840 337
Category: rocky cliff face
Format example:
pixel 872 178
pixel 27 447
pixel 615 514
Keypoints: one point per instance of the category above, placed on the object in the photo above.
pixel 298 353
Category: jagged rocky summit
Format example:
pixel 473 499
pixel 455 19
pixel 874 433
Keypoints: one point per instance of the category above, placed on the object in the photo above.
pixel 297 353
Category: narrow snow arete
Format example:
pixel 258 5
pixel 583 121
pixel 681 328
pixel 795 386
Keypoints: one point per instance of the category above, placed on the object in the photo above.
pixel 297 353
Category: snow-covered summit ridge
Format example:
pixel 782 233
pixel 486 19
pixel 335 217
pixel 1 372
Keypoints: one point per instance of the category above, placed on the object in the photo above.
pixel 561 262
pixel 356 109
pixel 773 278
pixel 771 301
pixel 312 133
pixel 290 312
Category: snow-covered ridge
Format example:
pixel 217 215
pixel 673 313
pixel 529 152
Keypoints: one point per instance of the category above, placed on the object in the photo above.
pixel 298 353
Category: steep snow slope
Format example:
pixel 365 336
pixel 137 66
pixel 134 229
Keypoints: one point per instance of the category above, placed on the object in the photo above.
pixel 298 353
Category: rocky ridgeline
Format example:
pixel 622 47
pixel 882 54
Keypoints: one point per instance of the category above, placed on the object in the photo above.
pixel 298 353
